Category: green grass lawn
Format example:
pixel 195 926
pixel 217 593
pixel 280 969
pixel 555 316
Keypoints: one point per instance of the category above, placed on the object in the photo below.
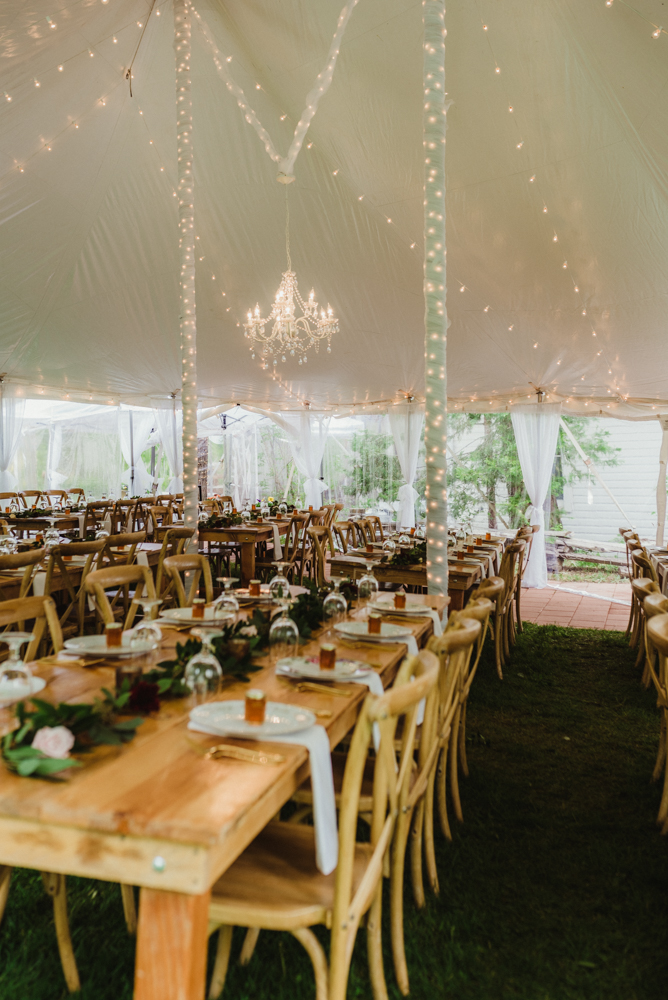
pixel 555 887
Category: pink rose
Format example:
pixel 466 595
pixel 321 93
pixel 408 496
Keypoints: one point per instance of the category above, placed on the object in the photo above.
pixel 54 741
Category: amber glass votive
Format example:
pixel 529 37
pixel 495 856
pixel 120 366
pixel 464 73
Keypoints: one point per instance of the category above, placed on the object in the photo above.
pixel 460 555
pixel 374 624
pixel 478 541
pixel 488 536
pixel 254 588
pixel 412 532
pixel 327 656
pixel 369 549
pixel 198 607
pixel 310 506
pixel 255 706
pixel 259 519
pixel 469 548
pixel 400 600
pixel 114 634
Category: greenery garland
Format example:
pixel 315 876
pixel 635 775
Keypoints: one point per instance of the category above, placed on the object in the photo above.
pixel 89 725
pixel 415 556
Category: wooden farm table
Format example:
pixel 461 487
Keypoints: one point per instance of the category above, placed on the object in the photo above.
pixel 157 814
pixel 461 579
pixel 23 525
pixel 247 538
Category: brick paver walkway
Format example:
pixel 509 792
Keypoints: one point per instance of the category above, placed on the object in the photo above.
pixel 559 607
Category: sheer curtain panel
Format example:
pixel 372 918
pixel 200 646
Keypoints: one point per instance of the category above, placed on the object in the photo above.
pixel 406 423
pixel 169 423
pixel 135 429
pixel 307 433
pixel 11 424
pixel 536 430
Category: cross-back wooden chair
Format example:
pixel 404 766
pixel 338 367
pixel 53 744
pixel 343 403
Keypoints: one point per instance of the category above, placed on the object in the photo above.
pixel 641 567
pixel 275 884
pixel 173 543
pixel 76 495
pixel 57 498
pixel 294 543
pixel 633 545
pixel 118 578
pixel 345 533
pixel 642 587
pixel 96 512
pixel 376 527
pixel 321 537
pixel 160 519
pixel 200 568
pixel 339 536
pixel 225 503
pixel 165 499
pixel 93 553
pixel 121 549
pixel 30 497
pixel 122 516
pixel 7 498
pixel 504 617
pixel 657 632
pixel 526 533
pixel 27 561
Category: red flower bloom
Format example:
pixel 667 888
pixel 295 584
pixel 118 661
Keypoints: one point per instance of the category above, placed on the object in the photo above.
pixel 144 698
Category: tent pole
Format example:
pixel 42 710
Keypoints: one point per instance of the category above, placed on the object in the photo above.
pixel 436 319
pixel 187 311
pixel 132 454
pixel 661 484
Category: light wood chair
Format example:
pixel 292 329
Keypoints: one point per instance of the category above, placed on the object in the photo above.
pixel 27 561
pixel 345 533
pixel 76 591
pixel 633 545
pixel 4 497
pixel 30 497
pixel 119 578
pixel 376 527
pixel 653 605
pixel 76 495
pixel 527 534
pixel 123 516
pixel 642 587
pixel 657 633
pixel 504 618
pixel 321 537
pixel 121 549
pixel 160 521
pixel 275 885
pixel 58 498
pixel 96 513
pixel 199 566
pixel 173 544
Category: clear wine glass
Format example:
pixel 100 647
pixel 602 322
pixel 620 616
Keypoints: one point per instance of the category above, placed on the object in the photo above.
pixel 8 545
pixel 389 547
pixel 203 674
pixel 420 531
pixel 51 535
pixel 101 533
pixel 227 602
pixel 148 629
pixel 282 508
pixel 15 675
pixel 279 585
pixel 335 606
pixel 404 538
pixel 367 586
pixel 283 636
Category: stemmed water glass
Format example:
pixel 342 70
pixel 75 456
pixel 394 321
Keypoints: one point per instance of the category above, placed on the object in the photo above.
pixel 148 629
pixel 420 531
pixel 404 538
pixel 283 636
pixel 15 675
pixel 226 601
pixel 282 508
pixel 279 585
pixel 51 535
pixel 335 606
pixel 203 674
pixel 367 587
pixel 8 545
pixel 389 547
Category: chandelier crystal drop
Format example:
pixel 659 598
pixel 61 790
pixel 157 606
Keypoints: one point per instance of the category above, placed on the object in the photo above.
pixel 293 326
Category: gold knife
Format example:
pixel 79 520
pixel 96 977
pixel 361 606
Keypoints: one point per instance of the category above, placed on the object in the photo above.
pixel 237 753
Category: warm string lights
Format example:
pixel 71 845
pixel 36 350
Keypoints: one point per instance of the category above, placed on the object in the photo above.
pixel 436 319
pixel 187 311
pixel 286 164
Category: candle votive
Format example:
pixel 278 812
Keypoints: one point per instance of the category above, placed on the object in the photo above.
pixel 259 519
pixel 412 532
pixel 400 600
pixel 114 634
pixel 369 549
pixel 254 588
pixel 460 555
pixel 255 706
pixel 488 536
pixel 327 656
pixel 199 605
pixel 469 548
pixel 127 672
pixel 374 624
pixel 478 541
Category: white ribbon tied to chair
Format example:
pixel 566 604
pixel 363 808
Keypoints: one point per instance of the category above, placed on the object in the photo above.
pixel 407 495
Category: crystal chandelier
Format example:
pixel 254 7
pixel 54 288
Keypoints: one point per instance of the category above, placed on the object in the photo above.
pixel 284 331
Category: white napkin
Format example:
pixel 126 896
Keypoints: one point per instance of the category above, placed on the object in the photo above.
pixel 38 582
pixel 409 640
pixel 278 550
pixel 322 782
pixel 424 613
pixel 82 518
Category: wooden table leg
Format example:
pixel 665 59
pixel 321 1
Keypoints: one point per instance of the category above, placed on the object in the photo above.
pixel 171 946
pixel 247 562
pixel 456 599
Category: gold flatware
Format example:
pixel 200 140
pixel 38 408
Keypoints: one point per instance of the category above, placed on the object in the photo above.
pixel 327 689
pixel 323 713
pixel 233 752
pixel 78 662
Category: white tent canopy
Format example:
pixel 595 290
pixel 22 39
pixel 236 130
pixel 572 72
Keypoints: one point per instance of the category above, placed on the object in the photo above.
pixel 88 233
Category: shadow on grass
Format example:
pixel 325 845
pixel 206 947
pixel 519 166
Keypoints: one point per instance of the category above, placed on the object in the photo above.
pixel 554 888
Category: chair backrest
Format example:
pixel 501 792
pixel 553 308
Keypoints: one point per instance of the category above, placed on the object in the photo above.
pixel 161 515
pixel 77 492
pixel 30 497
pixel 165 499
pixel 173 544
pixel 225 503
pixel 193 563
pixel 92 550
pixel 376 527
pixel 642 586
pixel 339 535
pixel 657 633
pixel 101 580
pixel 509 568
pixel 293 536
pixel 122 515
pixel 643 565
pixel 478 609
pixel 96 512
pixel 120 549
pixel 60 496
pixel 346 531
pixel 9 496
pixel 321 537
pixel 655 604
pixel 492 588
pixel 27 561
pixel 391 790
pixel 43 611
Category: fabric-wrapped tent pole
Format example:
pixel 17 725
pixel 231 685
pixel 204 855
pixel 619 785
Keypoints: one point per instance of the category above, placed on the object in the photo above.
pixel 187 311
pixel 536 431
pixel 436 317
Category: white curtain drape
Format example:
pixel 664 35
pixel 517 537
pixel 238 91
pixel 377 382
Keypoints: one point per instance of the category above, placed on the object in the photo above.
pixel 54 479
pixel 143 422
pixel 11 424
pixel 240 463
pixel 169 423
pixel 536 430
pixel 307 433
pixel 406 423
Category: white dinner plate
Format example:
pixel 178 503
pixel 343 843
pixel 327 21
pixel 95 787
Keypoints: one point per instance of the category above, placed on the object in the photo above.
pixel 96 645
pixel 243 595
pixel 360 630
pixel 227 719
pixel 182 615
pixel 309 666
pixel 9 694
pixel 410 609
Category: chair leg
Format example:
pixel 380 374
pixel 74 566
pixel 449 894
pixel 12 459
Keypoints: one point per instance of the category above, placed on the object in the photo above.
pixel 248 947
pixel 498 644
pixel 462 742
pixel 374 946
pixel 518 595
pixel 310 942
pixel 428 836
pixel 56 886
pixel 222 961
pixel 640 658
pixel 397 903
pixel 661 754
pixel 441 792
pixel 129 907
pixel 417 828
pixel 454 776
pixel 5 879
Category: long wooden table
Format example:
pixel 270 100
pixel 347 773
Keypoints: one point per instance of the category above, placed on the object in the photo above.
pixel 156 814
pixel 247 537
pixel 461 580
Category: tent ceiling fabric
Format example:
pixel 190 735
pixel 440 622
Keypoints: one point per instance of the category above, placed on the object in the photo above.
pixel 88 228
